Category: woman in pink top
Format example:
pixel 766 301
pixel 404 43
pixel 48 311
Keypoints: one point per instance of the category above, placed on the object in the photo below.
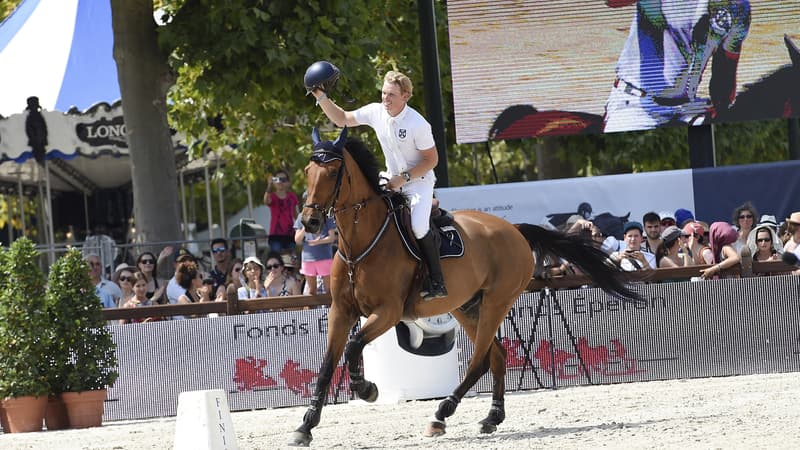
pixel 283 208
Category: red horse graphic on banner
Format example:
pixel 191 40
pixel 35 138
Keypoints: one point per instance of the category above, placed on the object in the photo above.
pixel 596 359
pixel 249 374
pixel 558 362
pixel 296 379
pixel 514 356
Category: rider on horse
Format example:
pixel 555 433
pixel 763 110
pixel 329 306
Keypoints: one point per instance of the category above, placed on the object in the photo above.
pixel 409 149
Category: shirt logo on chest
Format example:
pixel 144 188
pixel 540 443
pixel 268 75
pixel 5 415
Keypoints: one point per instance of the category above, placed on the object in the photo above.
pixel 401 133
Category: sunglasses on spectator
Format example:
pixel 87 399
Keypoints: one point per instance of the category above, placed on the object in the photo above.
pixel 125 278
pixel 667 222
pixel 146 261
pixel 280 179
pixel 237 269
pixel 764 240
pixel 745 216
pixel 273 266
pixel 218 249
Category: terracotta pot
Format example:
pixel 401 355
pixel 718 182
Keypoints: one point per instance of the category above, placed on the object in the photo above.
pixel 3 419
pixel 55 416
pixel 84 409
pixel 24 414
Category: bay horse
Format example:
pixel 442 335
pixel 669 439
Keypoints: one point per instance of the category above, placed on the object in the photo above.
pixel 374 276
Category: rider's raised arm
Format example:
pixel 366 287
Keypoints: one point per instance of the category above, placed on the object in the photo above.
pixel 334 112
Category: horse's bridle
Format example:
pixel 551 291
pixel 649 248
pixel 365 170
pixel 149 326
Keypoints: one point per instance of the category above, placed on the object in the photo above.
pixel 323 156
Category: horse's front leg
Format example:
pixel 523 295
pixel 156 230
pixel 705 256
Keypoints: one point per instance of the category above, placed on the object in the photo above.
pixel 339 325
pixel 375 325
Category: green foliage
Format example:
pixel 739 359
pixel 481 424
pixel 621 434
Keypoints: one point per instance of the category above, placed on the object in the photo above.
pixel 244 60
pixel 24 323
pixel 83 354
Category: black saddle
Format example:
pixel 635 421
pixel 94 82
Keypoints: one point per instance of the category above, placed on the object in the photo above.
pixel 443 226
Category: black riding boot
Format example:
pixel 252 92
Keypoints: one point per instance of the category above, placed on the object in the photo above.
pixel 434 287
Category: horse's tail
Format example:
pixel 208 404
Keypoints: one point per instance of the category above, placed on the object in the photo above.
pixel 581 252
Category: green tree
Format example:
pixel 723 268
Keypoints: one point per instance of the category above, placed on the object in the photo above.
pixel 24 322
pixel 83 356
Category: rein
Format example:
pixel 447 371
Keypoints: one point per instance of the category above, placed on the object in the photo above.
pixel 352 261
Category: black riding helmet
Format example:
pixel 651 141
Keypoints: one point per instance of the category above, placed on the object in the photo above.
pixel 321 75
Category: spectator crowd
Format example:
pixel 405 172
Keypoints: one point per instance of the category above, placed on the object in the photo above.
pixel 301 263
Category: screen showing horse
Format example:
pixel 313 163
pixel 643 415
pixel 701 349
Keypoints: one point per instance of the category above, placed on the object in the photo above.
pixel 536 68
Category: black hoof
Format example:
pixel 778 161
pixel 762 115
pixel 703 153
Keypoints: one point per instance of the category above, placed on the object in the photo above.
pixel 487 428
pixel 371 393
pixel 300 439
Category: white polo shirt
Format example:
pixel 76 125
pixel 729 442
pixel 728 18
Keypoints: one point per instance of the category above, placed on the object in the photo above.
pixel 401 137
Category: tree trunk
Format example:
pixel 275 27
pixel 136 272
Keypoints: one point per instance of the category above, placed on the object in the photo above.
pixel 549 166
pixel 144 78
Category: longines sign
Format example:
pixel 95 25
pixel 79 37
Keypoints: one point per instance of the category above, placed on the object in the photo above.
pixel 106 131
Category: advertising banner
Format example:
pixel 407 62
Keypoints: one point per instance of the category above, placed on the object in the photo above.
pixel 553 339
pixel 679 330
pixel 260 360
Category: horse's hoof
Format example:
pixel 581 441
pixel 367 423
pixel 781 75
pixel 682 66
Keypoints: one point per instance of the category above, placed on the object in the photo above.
pixel 372 395
pixel 487 428
pixel 434 429
pixel 300 439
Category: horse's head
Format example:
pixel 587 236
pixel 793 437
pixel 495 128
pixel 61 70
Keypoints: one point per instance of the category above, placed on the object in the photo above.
pixel 323 179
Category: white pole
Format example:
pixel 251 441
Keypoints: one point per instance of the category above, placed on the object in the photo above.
pixel 208 207
pixel 208 203
pixel 222 224
pixel 183 209
pixel 8 219
pixel 21 201
pixel 49 214
pixel 86 211
pixel 249 201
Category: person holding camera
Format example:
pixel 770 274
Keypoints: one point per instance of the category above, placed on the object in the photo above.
pixel 633 257
pixel 283 208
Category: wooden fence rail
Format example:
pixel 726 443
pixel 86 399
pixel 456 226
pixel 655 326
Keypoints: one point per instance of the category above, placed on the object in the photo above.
pixel 233 305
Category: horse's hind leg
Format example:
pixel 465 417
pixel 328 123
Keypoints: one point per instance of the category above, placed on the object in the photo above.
pixel 488 353
pixel 339 325
pixel 497 413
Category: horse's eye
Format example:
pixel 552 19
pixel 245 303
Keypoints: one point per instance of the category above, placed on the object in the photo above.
pixel 333 173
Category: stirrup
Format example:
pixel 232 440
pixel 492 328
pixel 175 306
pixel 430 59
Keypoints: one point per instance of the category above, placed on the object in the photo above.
pixel 438 290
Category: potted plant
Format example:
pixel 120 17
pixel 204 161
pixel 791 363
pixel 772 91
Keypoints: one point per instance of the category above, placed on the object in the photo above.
pixel 84 354
pixel 24 338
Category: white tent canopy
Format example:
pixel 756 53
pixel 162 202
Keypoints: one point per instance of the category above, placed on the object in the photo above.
pixel 59 51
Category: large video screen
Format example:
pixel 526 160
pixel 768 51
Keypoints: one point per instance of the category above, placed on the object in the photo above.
pixel 555 67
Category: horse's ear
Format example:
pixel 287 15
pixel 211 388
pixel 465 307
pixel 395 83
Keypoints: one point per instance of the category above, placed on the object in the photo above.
pixel 315 136
pixel 339 142
pixel 626 216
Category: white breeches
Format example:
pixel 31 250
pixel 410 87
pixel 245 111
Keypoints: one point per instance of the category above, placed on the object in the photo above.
pixel 420 199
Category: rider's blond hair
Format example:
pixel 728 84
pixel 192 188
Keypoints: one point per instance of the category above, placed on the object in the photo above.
pixel 401 80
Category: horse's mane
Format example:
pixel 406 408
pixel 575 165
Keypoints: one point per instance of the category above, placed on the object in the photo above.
pixel 369 166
